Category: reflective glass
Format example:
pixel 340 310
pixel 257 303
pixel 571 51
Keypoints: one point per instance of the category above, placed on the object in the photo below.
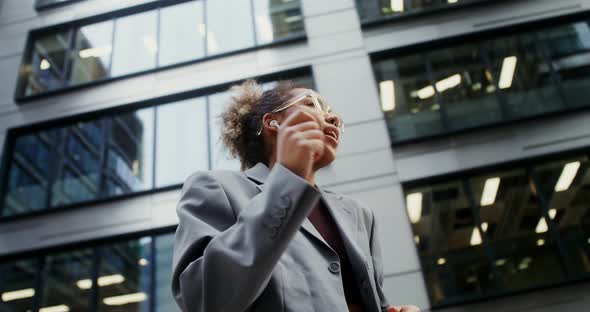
pixel 464 85
pixel 455 264
pixel 164 251
pixel 46 65
pixel 17 285
pixel 407 98
pixel 379 9
pixel 125 271
pixel 77 175
pixel 182 140
pixel 220 158
pixel 28 175
pixel 513 221
pixel 565 187
pixel 91 58
pixel 135 45
pixel 569 50
pixel 223 36
pixel 277 19
pixel 67 281
pixel 523 76
pixel 130 152
pixel 182 33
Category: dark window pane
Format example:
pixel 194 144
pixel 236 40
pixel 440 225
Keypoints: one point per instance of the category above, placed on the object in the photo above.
pixel 370 10
pixel 67 281
pixel 28 176
pixel 465 87
pixel 277 19
pixel 130 154
pixel 164 250
pixel 223 36
pixel 136 44
pixel 125 271
pixel 448 241
pixel 569 48
pixel 513 221
pixel 523 76
pixel 44 70
pixel 182 33
pixel 91 58
pixel 182 140
pixel 407 98
pixel 17 285
pixel 565 186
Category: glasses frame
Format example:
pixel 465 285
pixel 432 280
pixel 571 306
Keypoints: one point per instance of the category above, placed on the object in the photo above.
pixel 319 103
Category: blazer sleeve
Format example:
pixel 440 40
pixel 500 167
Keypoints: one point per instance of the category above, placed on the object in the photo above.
pixel 223 259
pixel 377 263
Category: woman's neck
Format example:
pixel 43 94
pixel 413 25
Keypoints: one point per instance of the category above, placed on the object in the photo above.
pixel 311 179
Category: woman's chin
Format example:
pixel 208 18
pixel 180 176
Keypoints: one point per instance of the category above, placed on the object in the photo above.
pixel 328 157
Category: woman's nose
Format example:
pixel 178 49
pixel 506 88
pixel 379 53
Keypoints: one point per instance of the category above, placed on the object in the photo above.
pixel 333 119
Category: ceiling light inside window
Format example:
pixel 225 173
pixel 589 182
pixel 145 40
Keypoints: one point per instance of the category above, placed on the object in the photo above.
pixel 475 237
pixel 490 189
pixel 397 5
pixel 507 72
pixel 541 226
pixel 414 206
pixel 387 92
pixel 18 294
pixel 568 174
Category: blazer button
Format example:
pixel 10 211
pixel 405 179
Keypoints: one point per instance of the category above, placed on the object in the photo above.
pixel 334 267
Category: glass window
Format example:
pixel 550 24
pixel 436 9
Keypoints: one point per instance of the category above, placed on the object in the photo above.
pixel 125 271
pixel 46 4
pixel 380 9
pixel 67 281
pixel 502 231
pixel 17 285
pixel 223 36
pixel 277 19
pixel 164 251
pixel 135 44
pixel 182 33
pixel 407 98
pixel 569 50
pixel 220 158
pixel 46 65
pixel 91 58
pixel 130 152
pixel 182 141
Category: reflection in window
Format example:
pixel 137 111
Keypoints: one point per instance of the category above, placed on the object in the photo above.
pixel 17 285
pixel 135 44
pixel 125 271
pixel 171 34
pixel 223 36
pixel 67 281
pixel 503 231
pixel 91 58
pixel 380 9
pixel 164 251
pixel 182 137
pixel 45 68
pixel 277 19
pixel 490 81
pixel 182 33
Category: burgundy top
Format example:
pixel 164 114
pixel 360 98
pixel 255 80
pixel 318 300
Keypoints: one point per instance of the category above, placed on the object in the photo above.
pixel 323 222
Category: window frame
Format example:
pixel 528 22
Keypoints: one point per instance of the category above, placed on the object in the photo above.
pixel 72 26
pixel 13 133
pixel 41 5
pixel 463 176
pixel 40 255
pixel 477 38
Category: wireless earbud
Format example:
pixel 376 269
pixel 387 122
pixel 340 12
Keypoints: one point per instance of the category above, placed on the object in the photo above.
pixel 274 123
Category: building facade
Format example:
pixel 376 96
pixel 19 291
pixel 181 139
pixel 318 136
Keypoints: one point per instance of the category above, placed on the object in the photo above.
pixel 466 133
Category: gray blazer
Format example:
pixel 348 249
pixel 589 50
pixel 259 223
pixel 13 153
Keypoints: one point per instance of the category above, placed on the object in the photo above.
pixel 244 243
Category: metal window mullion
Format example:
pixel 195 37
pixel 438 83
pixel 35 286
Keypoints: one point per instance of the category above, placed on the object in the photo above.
pixel 154 146
pixel 490 254
pixel 103 158
pixel 254 29
pixel 94 290
pixel 206 30
pixel 157 54
pixel 553 232
pixel 153 267
pixel 437 97
pixel 67 60
pixel 38 283
pixel 500 94
pixel 112 58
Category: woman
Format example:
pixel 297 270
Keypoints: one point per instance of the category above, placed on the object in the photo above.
pixel 268 238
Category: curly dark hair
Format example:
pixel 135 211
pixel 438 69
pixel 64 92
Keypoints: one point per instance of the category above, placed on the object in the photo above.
pixel 243 117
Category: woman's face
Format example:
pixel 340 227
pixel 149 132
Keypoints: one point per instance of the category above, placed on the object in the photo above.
pixel 328 123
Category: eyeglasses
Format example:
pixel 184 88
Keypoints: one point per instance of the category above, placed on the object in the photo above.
pixel 319 103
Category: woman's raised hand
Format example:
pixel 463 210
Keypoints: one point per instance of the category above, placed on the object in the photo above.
pixel 300 142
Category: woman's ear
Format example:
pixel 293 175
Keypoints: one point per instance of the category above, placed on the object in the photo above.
pixel 267 123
